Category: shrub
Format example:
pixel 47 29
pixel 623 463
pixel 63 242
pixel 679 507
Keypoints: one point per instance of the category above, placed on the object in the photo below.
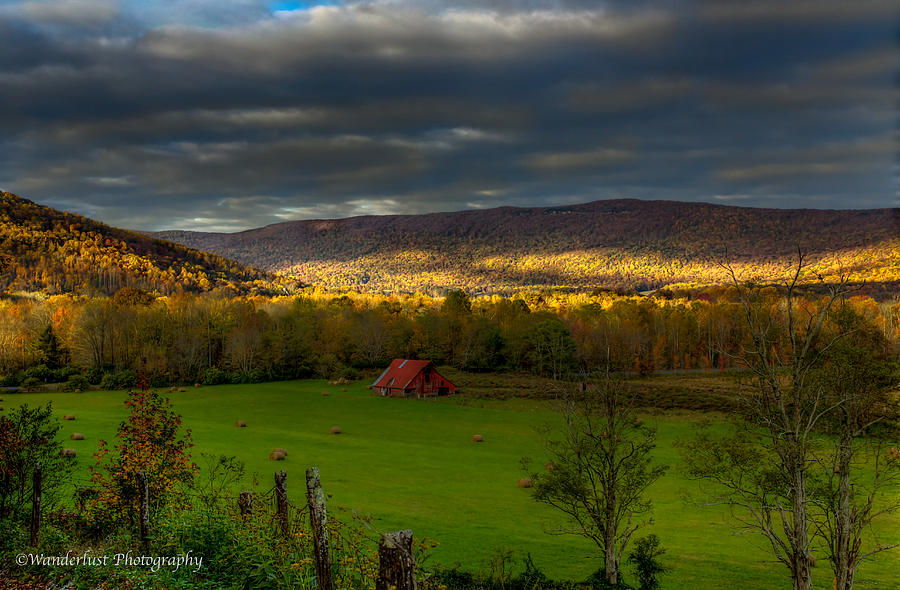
pixel 215 376
pixel 108 382
pixel 597 581
pixel 125 379
pixel 66 373
pixel 12 380
pixel 93 375
pixel 257 376
pixel 160 380
pixel 349 373
pixel 77 382
pixel 28 436
pixel 42 373
pixel 644 558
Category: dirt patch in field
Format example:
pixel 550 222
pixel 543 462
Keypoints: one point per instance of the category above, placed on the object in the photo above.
pixel 707 392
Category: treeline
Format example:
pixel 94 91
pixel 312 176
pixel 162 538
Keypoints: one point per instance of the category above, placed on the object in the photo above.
pixel 214 338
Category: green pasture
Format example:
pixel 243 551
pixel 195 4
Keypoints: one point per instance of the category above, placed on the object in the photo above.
pixel 410 464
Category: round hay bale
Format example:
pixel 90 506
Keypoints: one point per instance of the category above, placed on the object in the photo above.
pixel 240 424
pixel 280 450
pixel 67 453
pixel 181 390
pixel 525 482
pixel 76 436
pixel 335 430
pixel 69 417
pixel 276 456
pixel 477 438
pixel 77 391
pixel 325 394
pixel 551 466
pixel 197 385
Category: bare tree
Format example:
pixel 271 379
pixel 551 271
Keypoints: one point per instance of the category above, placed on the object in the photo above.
pixel 762 470
pixel 857 375
pixel 600 469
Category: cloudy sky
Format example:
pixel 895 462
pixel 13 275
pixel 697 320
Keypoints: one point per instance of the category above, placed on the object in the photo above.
pixel 224 115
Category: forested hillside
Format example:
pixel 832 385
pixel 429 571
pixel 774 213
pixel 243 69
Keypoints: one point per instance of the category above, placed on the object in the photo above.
pixel 42 249
pixel 626 244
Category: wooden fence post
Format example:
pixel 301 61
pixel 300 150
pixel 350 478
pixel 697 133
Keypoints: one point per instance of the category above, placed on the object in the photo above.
pixel 145 509
pixel 281 502
pixel 396 565
pixel 245 503
pixel 318 519
pixel 36 503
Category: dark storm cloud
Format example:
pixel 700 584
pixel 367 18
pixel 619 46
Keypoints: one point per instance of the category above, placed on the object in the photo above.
pixel 226 115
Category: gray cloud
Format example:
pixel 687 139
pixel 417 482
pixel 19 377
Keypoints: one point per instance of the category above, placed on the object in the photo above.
pixel 378 33
pixel 797 10
pixel 568 161
pixel 879 61
pixel 628 96
pixel 200 114
pixel 71 12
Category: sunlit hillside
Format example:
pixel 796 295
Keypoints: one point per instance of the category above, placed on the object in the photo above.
pixel 625 244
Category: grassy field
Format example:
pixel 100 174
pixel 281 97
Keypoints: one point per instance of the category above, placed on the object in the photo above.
pixel 411 464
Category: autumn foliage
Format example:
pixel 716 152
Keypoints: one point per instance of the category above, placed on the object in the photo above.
pixel 149 440
pixel 42 249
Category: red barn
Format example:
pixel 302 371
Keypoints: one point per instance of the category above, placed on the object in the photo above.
pixel 407 378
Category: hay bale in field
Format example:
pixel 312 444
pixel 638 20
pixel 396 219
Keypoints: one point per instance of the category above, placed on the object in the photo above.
pixel 181 389
pixel 76 436
pixel 69 417
pixel 551 466
pixel 325 394
pixel 70 453
pixel 197 385
pixel 335 430
pixel 477 438
pixel 1 399
pixel 240 424
pixel 280 450
pixel 77 391
pixel 276 456
pixel 525 482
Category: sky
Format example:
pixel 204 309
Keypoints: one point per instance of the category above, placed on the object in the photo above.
pixel 224 115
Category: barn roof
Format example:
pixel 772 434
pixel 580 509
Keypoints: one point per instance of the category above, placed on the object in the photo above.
pixel 400 372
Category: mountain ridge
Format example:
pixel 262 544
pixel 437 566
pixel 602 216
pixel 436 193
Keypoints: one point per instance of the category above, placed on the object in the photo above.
pixel 621 243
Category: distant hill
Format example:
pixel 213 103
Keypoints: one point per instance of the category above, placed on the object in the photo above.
pixel 622 244
pixel 43 249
